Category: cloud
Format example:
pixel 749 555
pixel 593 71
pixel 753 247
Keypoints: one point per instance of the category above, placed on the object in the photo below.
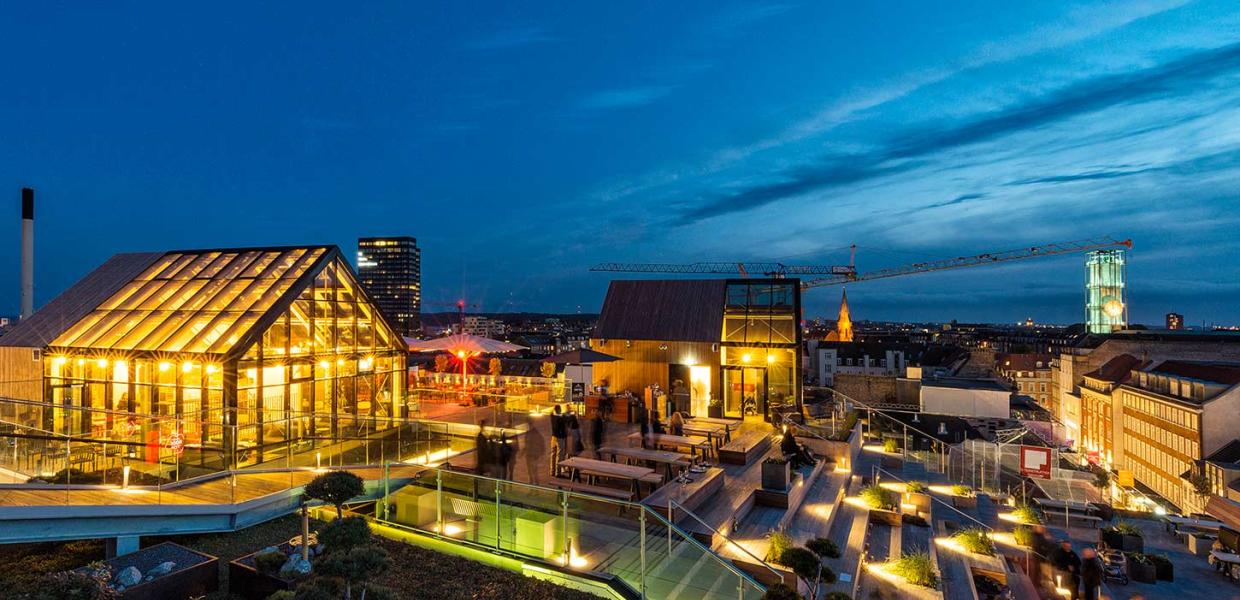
pixel 1219 161
pixel 624 97
pixel 510 38
pixel 1187 74
pixel 733 21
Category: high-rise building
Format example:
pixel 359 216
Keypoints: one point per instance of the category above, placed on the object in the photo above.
pixel 390 268
pixel 1175 321
pixel 1106 307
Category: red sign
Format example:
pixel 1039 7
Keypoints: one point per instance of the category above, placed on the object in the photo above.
pixel 176 442
pixel 1035 461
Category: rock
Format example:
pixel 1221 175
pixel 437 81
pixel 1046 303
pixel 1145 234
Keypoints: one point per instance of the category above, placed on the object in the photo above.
pixel 295 567
pixel 161 569
pixel 129 577
pixel 268 550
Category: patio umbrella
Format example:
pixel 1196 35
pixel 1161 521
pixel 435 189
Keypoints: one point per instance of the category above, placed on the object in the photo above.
pixel 464 346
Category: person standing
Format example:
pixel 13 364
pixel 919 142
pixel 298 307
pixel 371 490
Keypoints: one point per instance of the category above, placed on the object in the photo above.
pixel 559 440
pixel 597 432
pixel 574 433
pixel 1091 573
pixel 1067 568
pixel 482 450
pixel 643 425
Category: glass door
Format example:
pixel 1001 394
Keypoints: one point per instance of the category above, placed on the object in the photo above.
pixel 744 391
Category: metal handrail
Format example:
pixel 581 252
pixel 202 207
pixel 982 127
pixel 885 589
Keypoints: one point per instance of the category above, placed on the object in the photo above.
pixel 727 539
pixel 727 564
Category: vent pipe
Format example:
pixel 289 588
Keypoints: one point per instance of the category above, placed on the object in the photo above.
pixel 27 253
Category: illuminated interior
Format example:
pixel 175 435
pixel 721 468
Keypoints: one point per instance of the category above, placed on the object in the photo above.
pixel 759 351
pixel 233 357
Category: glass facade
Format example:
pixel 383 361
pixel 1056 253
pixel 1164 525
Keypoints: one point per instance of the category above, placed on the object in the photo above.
pixel 1106 308
pixel 390 268
pixel 227 359
pixel 760 346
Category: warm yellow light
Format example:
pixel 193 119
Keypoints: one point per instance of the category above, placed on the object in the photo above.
pixel 164 366
pixel 770 358
pixel 186 366
pixel 59 360
pixel 339 362
pixel 746 358
pixel 211 369
pixel 81 361
pixel 460 354
pixel 324 364
pixel 101 363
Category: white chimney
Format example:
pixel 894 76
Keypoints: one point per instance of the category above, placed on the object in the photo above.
pixel 27 253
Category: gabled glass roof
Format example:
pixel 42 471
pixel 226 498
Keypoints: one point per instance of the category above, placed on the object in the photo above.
pixel 200 302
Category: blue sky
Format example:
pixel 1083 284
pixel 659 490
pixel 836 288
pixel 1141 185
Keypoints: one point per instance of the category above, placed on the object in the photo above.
pixel 523 142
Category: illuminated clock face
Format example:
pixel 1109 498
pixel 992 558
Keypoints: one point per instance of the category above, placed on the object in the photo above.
pixel 1112 307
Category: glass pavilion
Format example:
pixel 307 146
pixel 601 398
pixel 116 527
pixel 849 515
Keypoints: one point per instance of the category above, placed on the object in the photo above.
pixel 229 358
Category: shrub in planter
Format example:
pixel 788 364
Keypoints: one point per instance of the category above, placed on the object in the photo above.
pixel 916 569
pixel 1164 569
pixel 1141 568
pixel 776 472
pixel 1026 515
pixel 1123 536
pixel 777 544
pixel 963 497
pixel 915 487
pixel 975 540
pixel 962 490
pixel 269 561
pixel 878 498
pixel 891 445
pixel 1024 536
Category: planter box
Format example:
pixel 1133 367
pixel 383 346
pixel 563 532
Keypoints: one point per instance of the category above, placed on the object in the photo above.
pixel 1119 541
pixel 252 584
pixel 964 501
pixel 887 517
pixel 1200 545
pixel 1164 570
pixel 196 574
pixel 920 501
pixel 715 411
pixel 1142 573
pixel 775 476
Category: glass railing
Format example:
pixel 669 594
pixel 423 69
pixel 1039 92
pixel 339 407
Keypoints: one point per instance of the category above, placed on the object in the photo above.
pixel 626 540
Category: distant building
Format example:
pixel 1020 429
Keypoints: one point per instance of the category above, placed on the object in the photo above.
pixel 1222 468
pixel 841 358
pixel 843 324
pixel 1029 373
pixel 1106 307
pixel 482 326
pixel 1175 321
pixel 390 268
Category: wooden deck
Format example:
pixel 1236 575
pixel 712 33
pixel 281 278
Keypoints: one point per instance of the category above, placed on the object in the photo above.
pixel 236 489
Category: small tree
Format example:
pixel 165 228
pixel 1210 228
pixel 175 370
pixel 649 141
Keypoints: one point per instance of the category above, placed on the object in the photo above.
pixel 495 367
pixel 1102 481
pixel 355 567
pixel 336 488
pixel 780 591
pixel 442 363
pixel 1201 487
pixel 345 534
pixel 548 370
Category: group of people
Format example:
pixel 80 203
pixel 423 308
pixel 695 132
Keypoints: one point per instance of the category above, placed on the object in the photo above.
pixel 496 454
pixel 566 436
pixel 1078 572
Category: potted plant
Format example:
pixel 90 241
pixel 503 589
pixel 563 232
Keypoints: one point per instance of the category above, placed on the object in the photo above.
pixel 714 407
pixel 916 568
pixel 1026 515
pixel 1141 568
pixel 915 495
pixel 975 540
pixel 1123 536
pixel 776 473
pixel 883 504
pixel 1024 536
pixel 963 496
pixel 1164 569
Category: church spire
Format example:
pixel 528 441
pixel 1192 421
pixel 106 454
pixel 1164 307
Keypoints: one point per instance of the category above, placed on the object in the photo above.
pixel 843 324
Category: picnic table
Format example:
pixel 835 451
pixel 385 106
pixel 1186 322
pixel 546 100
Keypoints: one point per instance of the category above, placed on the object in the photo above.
pixel 670 460
pixel 692 442
pixel 729 425
pixel 592 468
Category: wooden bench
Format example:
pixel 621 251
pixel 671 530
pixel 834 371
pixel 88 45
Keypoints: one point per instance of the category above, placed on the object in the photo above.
pixel 745 448
pixel 595 490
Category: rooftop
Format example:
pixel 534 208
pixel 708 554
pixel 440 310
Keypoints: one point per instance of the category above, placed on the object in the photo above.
pixel 664 310
pixel 1229 454
pixel 965 383
pixel 1215 372
pixel 1116 370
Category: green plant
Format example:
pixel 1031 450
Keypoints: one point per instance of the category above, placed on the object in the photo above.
pixel 1125 528
pixel 808 566
pixel 1024 536
pixel 345 534
pixel 336 488
pixel 775 460
pixel 975 540
pixel 878 498
pixel 780 591
pixel 962 490
pixel 1026 514
pixel 355 567
pixel 915 487
pixel 269 561
pixel 823 547
pixel 915 568
pixel 69 586
pixel 778 543
pixel 890 445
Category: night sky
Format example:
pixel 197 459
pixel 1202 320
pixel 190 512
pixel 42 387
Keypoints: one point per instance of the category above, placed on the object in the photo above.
pixel 522 142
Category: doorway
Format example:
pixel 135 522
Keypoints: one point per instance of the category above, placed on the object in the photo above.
pixel 744 391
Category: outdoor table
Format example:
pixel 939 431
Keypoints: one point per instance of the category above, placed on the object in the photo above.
pixel 663 457
pixel 717 435
pixel 729 425
pixel 603 468
pixel 693 443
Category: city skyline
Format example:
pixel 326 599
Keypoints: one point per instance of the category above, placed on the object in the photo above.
pixel 520 146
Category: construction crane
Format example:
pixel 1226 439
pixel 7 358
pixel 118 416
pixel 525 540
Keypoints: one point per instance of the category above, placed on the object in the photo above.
pixel 977 260
pixel 838 275
pixel 744 269
pixel 460 309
